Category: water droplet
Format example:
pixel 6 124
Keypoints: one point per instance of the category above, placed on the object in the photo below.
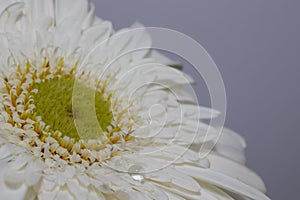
pixel 136 172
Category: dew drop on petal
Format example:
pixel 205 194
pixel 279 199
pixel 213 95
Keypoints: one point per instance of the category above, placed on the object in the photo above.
pixel 136 172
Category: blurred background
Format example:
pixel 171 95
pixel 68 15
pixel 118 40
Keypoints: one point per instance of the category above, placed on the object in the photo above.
pixel 256 45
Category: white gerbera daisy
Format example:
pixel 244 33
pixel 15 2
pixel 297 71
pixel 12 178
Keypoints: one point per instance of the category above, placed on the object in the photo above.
pixel 78 125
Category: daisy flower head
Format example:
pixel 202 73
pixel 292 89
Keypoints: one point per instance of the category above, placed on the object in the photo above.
pixel 92 113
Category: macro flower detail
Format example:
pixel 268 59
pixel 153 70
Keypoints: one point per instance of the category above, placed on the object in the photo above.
pixel 84 117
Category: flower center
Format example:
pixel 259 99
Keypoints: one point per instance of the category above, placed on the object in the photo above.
pixel 53 103
pixel 64 113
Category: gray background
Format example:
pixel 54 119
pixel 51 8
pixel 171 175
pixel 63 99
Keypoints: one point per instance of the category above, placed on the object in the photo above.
pixel 256 45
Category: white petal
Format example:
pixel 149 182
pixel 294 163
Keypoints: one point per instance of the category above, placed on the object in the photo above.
pixel 231 145
pixel 7 192
pixel 64 194
pixel 160 58
pixel 96 34
pixel 223 181
pixel 79 191
pixel 20 161
pixel 48 185
pixel 177 180
pixel 236 171
pixel 33 172
pixel 232 153
pixel 213 193
pixel 49 195
pixel 75 9
pixel 9 15
pixel 5 151
pixel 231 138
